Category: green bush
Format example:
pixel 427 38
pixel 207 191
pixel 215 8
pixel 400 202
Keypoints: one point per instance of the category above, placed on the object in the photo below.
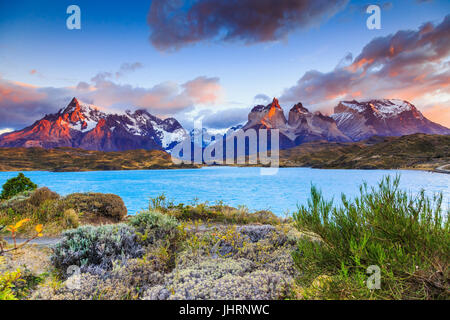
pixel 153 226
pixel 406 236
pixel 16 185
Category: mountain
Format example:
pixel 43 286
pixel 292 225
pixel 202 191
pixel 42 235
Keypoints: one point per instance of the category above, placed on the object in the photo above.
pixel 301 126
pixel 81 125
pixel 306 126
pixel 385 117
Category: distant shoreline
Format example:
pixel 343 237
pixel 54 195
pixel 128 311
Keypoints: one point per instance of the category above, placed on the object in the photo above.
pixel 412 152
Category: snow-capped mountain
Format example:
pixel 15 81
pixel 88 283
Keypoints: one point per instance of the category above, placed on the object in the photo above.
pixel 301 126
pixel 385 117
pixel 207 134
pixel 83 125
pixel 86 126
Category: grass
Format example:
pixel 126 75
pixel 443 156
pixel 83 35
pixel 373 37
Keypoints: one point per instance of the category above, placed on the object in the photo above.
pixel 406 237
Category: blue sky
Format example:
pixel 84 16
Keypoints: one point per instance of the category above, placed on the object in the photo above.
pixel 37 49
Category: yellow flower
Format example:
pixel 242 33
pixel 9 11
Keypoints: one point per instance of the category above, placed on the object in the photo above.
pixel 20 223
pixel 38 229
pixel 17 225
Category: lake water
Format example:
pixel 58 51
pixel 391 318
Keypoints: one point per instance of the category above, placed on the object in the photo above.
pixel 235 186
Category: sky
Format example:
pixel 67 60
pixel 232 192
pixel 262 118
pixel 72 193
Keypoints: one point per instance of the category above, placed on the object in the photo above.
pixel 214 60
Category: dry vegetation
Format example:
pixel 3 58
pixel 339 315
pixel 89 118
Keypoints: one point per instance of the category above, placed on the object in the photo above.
pixel 417 151
pixel 71 159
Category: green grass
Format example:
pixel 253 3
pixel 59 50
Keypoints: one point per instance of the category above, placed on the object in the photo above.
pixel 406 236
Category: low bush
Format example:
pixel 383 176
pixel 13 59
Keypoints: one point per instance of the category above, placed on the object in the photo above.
pixel 39 196
pixel 71 219
pixel 217 212
pixel 94 249
pixel 406 236
pixel 60 213
pixel 125 282
pixel 153 226
pixel 100 204
pixel 220 278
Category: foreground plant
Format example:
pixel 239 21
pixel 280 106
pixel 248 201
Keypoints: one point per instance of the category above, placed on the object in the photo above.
pixel 405 237
pixel 14 229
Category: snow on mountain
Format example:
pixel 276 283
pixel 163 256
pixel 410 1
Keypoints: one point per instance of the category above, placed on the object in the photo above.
pixel 386 117
pixel 83 125
pixel 301 126
pixel 86 126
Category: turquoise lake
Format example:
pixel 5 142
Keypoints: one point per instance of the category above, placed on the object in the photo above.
pixel 234 186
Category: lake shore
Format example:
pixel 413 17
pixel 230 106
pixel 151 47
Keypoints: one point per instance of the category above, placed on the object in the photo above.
pixel 411 152
pixel 203 252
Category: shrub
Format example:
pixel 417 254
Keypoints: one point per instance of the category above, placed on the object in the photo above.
pixel 42 194
pixel 16 185
pixel 406 236
pixel 71 219
pixel 7 282
pixel 96 248
pixel 153 226
pixel 220 279
pixel 127 281
pixel 99 204
pixel 217 212
pixel 256 232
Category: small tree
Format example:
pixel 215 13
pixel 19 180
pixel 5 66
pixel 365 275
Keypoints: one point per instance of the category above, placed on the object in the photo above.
pixel 16 185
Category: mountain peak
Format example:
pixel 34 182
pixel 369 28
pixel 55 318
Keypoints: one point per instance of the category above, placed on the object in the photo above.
pixel 74 101
pixel 299 108
pixel 275 104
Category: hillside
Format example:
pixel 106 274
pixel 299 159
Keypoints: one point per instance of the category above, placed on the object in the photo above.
pixel 72 159
pixel 417 151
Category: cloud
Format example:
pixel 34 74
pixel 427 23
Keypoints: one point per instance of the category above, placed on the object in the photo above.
pixel 263 98
pixel 175 24
pixel 164 98
pixel 439 114
pixel 22 104
pixel 224 119
pixel 203 90
pixel 127 68
pixel 410 64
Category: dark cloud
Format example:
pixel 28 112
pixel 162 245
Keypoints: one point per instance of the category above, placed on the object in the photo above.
pixel 21 105
pixel 410 64
pixel 262 98
pixel 127 68
pixel 174 24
